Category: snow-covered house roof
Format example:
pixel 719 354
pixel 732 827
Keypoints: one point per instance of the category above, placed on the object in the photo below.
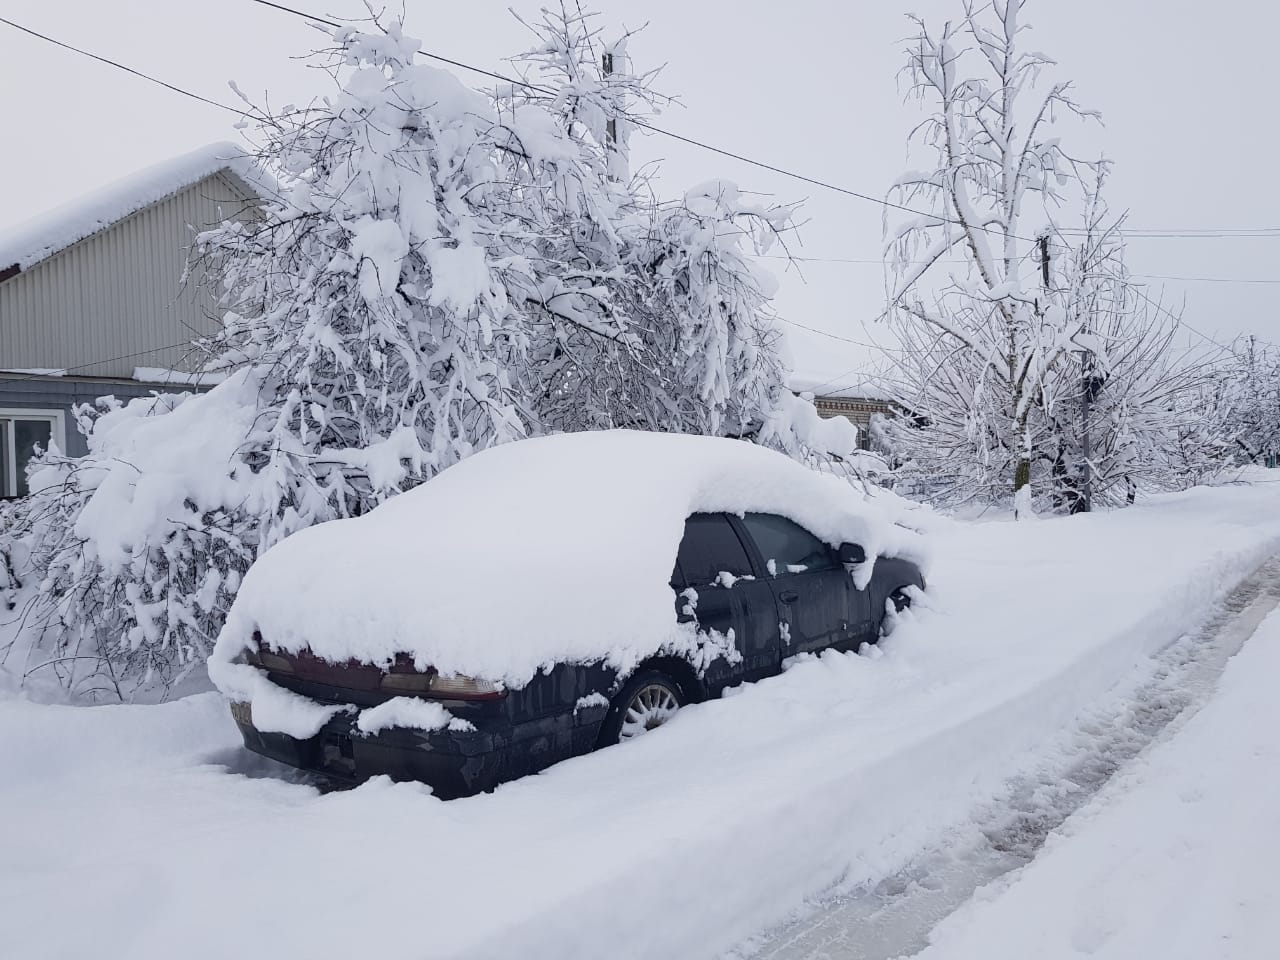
pixel 95 288
pixel 843 388
pixel 41 237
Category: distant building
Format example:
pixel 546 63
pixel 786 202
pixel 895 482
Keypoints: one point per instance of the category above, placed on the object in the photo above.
pixel 92 300
pixel 858 403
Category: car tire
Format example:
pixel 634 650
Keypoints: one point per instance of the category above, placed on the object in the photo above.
pixel 901 599
pixel 646 701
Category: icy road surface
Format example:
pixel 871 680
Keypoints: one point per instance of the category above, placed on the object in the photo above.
pixel 1176 860
pixel 140 831
pixel 896 916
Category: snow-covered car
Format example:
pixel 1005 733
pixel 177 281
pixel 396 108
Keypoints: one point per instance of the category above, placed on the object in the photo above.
pixel 548 597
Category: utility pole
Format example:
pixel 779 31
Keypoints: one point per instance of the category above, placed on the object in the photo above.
pixel 1086 390
pixel 1085 496
pixel 1086 395
pixel 610 125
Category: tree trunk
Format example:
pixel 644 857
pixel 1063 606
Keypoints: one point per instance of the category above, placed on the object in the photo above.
pixel 1021 475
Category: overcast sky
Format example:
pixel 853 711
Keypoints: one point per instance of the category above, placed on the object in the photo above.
pixel 1186 89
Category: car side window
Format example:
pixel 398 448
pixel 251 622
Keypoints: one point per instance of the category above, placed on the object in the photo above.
pixel 788 547
pixel 711 547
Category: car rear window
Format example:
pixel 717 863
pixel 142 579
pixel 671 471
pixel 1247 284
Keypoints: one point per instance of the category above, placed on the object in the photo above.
pixel 790 547
pixel 711 547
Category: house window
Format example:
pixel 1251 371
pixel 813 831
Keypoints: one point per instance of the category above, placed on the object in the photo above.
pixel 21 432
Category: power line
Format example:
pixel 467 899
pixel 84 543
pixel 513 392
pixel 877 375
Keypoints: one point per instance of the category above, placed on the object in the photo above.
pixel 882 262
pixel 801 258
pixel 836 336
pixel 5 378
pixel 838 376
pixel 1161 276
pixel 721 151
pixel 433 56
pixel 701 144
pixel 518 82
pixel 1161 308
pixel 1187 233
pixel 121 66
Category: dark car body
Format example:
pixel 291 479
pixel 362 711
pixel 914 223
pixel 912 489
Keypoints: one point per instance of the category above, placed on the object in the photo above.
pixel 779 589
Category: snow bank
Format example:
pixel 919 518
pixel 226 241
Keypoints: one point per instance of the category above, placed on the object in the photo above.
pixel 40 237
pixel 1176 859
pixel 547 550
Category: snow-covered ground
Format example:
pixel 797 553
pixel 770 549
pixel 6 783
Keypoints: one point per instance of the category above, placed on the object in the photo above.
pixel 1176 859
pixel 742 812
pixel 895 916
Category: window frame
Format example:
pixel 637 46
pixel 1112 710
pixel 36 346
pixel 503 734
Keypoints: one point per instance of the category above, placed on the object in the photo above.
pixel 58 432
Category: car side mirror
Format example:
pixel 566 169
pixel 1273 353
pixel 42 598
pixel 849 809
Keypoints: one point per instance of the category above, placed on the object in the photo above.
pixel 852 553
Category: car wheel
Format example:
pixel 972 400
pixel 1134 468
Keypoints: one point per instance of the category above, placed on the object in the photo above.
pixel 900 600
pixel 646 702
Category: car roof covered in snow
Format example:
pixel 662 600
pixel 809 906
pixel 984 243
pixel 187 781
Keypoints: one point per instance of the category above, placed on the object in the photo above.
pixel 555 549
pixel 42 236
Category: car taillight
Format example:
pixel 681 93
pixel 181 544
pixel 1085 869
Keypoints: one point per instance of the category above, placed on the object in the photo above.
pixel 275 662
pixel 429 683
pixel 256 656
pixel 400 678
pixel 465 688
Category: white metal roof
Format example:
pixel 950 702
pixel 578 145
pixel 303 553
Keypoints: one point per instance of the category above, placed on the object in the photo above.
pixel 40 237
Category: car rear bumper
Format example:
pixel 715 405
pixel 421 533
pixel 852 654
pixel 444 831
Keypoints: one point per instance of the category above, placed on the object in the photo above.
pixel 452 763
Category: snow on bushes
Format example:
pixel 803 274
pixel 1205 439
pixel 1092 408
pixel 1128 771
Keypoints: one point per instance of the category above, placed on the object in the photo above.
pixel 136 549
pixel 481 574
pixel 442 271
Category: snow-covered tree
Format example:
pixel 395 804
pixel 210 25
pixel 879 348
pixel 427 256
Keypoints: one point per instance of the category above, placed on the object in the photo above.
pixel 1252 395
pixel 987 328
pixel 1123 409
pixel 699 352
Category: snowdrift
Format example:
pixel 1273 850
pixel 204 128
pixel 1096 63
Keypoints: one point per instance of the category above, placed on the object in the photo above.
pixel 556 549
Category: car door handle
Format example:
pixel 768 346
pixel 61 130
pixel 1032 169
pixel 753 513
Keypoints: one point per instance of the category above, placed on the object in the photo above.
pixel 788 596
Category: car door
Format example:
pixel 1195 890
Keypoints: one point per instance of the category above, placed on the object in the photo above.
pixel 718 587
pixel 817 602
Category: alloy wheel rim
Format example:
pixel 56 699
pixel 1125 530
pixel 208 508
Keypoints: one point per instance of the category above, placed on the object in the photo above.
pixel 651 706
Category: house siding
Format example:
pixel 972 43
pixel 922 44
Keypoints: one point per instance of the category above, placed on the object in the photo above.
pixel 115 300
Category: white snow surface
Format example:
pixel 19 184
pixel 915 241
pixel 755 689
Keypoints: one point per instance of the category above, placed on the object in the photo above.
pixel 1175 860
pixel 154 822
pixel 409 712
pixel 554 549
pixel 42 236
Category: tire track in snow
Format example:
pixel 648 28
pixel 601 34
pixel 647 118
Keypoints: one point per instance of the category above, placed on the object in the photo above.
pixel 893 917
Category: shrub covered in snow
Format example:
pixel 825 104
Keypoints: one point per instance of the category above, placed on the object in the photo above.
pixel 135 550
